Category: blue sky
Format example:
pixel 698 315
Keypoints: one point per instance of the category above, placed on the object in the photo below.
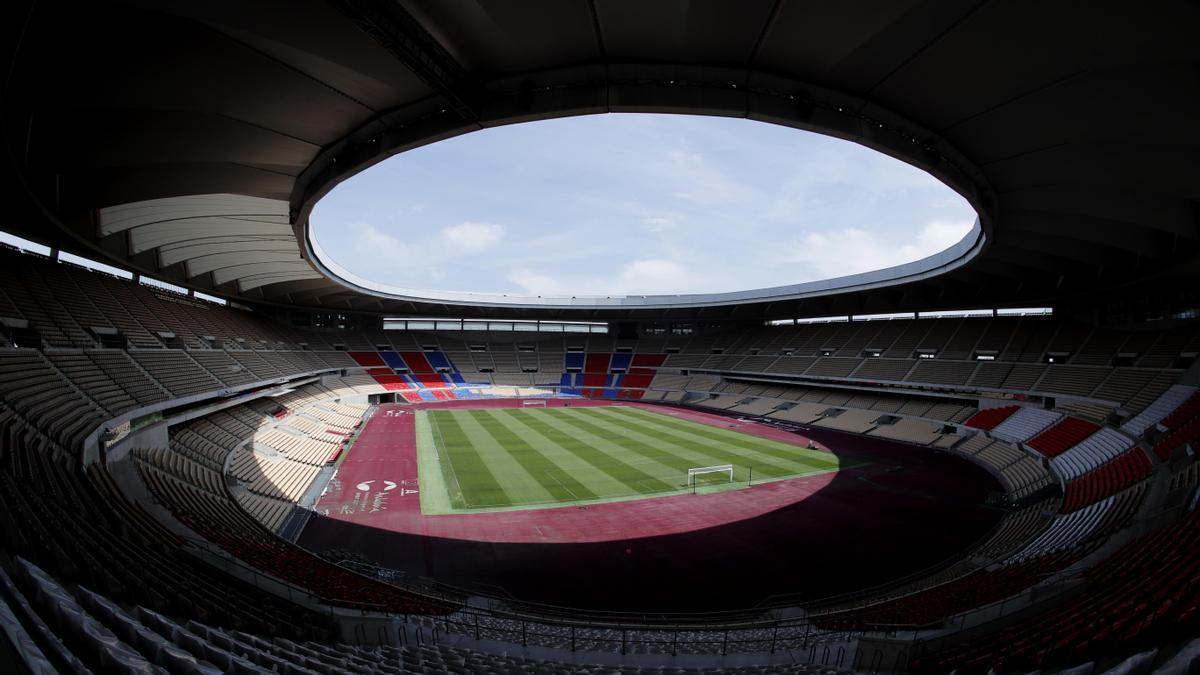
pixel 625 204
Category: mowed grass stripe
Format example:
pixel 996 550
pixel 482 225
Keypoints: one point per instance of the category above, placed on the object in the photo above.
pixel 439 487
pixel 710 451
pixel 767 455
pixel 670 461
pixel 479 487
pixel 574 457
pixel 524 448
pixel 519 485
pixel 683 455
pixel 717 433
pixel 590 449
pixel 768 451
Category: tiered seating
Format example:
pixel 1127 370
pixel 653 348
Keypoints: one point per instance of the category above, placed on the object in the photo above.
pixel 313 449
pixel 223 367
pixel 88 377
pixel 1055 440
pixel 909 431
pixel 1023 376
pixel 1025 423
pixel 1186 411
pixel 936 371
pixel 1108 479
pixel 1096 519
pixel 255 364
pixel 1122 604
pixel 833 367
pixel 54 397
pixel 1182 427
pixel 134 380
pixel 1123 384
pixel 1103 446
pixel 884 369
pixel 102 636
pixel 1168 401
pixel 929 608
pixel 330 582
pixel 721 401
pixel 87 531
pixel 1071 380
pixel 988 418
pixel 83 635
pixel 176 371
pixel 1021 474
pixel 275 477
pixel 854 421
pixel 45 398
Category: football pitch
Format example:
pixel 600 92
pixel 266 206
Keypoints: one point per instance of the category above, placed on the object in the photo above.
pixel 507 458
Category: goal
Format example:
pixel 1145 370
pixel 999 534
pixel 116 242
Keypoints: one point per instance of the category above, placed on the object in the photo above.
pixel 721 468
pixel 533 403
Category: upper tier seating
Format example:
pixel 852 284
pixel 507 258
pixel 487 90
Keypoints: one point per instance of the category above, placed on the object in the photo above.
pixel 1182 427
pixel 1106 480
pixel 988 418
pixel 1160 408
pixel 1056 439
pixel 1025 423
pixel 1103 446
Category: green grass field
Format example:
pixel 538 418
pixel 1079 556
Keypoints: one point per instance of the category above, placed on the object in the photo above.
pixel 499 459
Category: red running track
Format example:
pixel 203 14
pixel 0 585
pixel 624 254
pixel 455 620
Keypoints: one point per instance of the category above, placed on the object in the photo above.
pixel 376 486
pixel 910 508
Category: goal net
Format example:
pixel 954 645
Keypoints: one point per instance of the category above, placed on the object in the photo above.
pixel 533 403
pixel 700 471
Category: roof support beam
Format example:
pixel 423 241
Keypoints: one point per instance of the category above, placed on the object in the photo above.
pixel 389 24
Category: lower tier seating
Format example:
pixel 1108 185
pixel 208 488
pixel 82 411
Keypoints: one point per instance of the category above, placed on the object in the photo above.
pixel 77 630
pixel 1110 478
pixel 1150 587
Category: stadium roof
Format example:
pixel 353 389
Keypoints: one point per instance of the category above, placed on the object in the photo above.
pixel 191 140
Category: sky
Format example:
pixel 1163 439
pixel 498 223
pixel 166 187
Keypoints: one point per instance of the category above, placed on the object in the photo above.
pixel 632 204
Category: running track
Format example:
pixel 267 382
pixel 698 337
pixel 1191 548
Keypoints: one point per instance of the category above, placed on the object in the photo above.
pixel 909 509
pixel 386 451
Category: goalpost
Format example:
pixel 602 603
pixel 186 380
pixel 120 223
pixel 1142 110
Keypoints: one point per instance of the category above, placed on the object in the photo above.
pixel 533 403
pixel 720 468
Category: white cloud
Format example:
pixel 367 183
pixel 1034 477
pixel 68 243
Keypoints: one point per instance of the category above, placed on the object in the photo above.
pixel 535 283
pixel 473 236
pixel 653 276
pixel 621 204
pixel 638 277
pixel 376 243
pixel 940 235
pixel 656 224
pixel 836 253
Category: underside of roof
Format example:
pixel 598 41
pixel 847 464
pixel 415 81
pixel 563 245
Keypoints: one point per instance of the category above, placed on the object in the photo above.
pixel 190 140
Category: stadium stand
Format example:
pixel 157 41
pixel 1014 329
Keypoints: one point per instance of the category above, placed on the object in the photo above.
pixel 1099 448
pixel 990 417
pixel 1056 439
pixel 235 476
pixel 1024 424
pixel 1119 606
pixel 164 427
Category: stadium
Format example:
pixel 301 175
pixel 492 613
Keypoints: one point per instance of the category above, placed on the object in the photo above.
pixel 225 449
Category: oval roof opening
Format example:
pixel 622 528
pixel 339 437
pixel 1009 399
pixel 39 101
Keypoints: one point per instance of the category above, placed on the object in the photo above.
pixel 623 204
